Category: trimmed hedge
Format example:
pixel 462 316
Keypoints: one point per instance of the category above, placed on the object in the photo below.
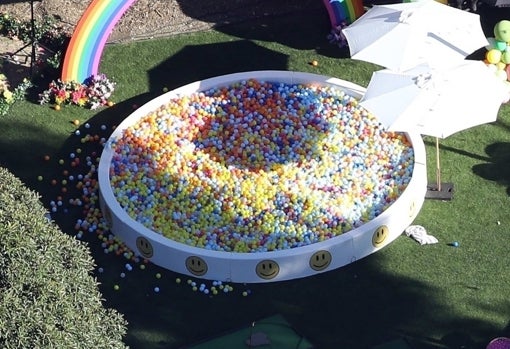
pixel 48 295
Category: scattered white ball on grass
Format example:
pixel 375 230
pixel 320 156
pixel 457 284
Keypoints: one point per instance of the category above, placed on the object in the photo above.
pixel 498 222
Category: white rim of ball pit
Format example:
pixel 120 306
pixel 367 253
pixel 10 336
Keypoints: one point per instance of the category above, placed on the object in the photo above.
pixel 246 267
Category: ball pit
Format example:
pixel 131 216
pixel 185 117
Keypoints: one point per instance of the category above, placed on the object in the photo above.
pixel 201 182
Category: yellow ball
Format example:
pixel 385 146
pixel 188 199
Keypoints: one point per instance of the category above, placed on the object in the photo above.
pixel 493 56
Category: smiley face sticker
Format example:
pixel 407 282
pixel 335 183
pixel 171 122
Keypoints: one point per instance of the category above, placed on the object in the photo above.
pixel 320 260
pixel 380 236
pixel 267 269
pixel 144 247
pixel 196 265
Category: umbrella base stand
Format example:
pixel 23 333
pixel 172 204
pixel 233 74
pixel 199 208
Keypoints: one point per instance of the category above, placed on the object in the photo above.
pixel 446 192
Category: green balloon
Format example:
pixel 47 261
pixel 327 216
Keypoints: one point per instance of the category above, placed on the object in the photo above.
pixel 502 31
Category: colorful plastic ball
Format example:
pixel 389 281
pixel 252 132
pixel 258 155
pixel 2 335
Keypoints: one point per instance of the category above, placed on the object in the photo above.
pixel 116 287
pixel 178 280
pixel 156 289
pixel 158 276
pixel 493 56
pixel 39 178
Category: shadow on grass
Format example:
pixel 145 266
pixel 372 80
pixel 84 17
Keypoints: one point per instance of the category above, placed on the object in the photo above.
pixel 497 167
pixel 214 60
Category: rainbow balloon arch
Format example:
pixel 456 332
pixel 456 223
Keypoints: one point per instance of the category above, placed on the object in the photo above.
pixel 91 33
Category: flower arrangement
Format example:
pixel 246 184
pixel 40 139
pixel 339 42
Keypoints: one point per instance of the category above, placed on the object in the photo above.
pixel 92 94
pixel 8 97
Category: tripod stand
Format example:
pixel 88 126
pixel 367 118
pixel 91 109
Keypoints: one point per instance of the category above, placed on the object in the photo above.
pixel 32 40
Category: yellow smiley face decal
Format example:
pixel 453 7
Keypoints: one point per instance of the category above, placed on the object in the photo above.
pixel 267 269
pixel 320 260
pixel 144 247
pixel 380 236
pixel 196 265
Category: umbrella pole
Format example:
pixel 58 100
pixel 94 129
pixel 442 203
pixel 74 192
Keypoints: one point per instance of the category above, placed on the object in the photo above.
pixel 441 191
pixel 438 166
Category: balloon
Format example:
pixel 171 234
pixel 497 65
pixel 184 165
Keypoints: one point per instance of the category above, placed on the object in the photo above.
pixel 500 45
pixel 505 57
pixel 502 31
pixel 493 56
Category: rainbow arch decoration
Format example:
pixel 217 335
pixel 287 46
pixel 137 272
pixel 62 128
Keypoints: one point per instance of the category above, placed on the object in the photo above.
pixel 343 12
pixel 84 51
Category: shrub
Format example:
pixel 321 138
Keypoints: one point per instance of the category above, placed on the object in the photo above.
pixel 48 296
pixel 8 97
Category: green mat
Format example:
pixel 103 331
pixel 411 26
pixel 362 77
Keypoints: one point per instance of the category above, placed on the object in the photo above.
pixel 271 332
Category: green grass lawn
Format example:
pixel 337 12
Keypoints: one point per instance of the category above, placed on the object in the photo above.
pixel 438 296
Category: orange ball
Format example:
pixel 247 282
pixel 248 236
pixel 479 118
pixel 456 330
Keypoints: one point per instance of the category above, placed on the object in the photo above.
pixel 57 107
pixel 315 63
pixel 76 122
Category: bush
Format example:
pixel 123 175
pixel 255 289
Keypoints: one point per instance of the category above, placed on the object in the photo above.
pixel 48 296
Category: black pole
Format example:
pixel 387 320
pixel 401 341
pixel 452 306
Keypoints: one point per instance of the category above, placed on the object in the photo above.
pixel 32 39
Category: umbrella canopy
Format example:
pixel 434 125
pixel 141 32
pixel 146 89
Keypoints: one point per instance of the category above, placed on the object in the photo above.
pixel 404 35
pixel 433 102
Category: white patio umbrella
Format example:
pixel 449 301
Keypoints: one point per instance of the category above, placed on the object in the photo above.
pixel 433 102
pixel 404 35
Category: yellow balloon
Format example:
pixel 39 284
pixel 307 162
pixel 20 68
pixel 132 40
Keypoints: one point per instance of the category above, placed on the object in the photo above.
pixel 502 75
pixel 500 66
pixel 493 56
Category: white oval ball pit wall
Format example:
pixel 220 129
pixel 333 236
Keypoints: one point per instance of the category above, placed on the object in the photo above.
pixel 271 266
